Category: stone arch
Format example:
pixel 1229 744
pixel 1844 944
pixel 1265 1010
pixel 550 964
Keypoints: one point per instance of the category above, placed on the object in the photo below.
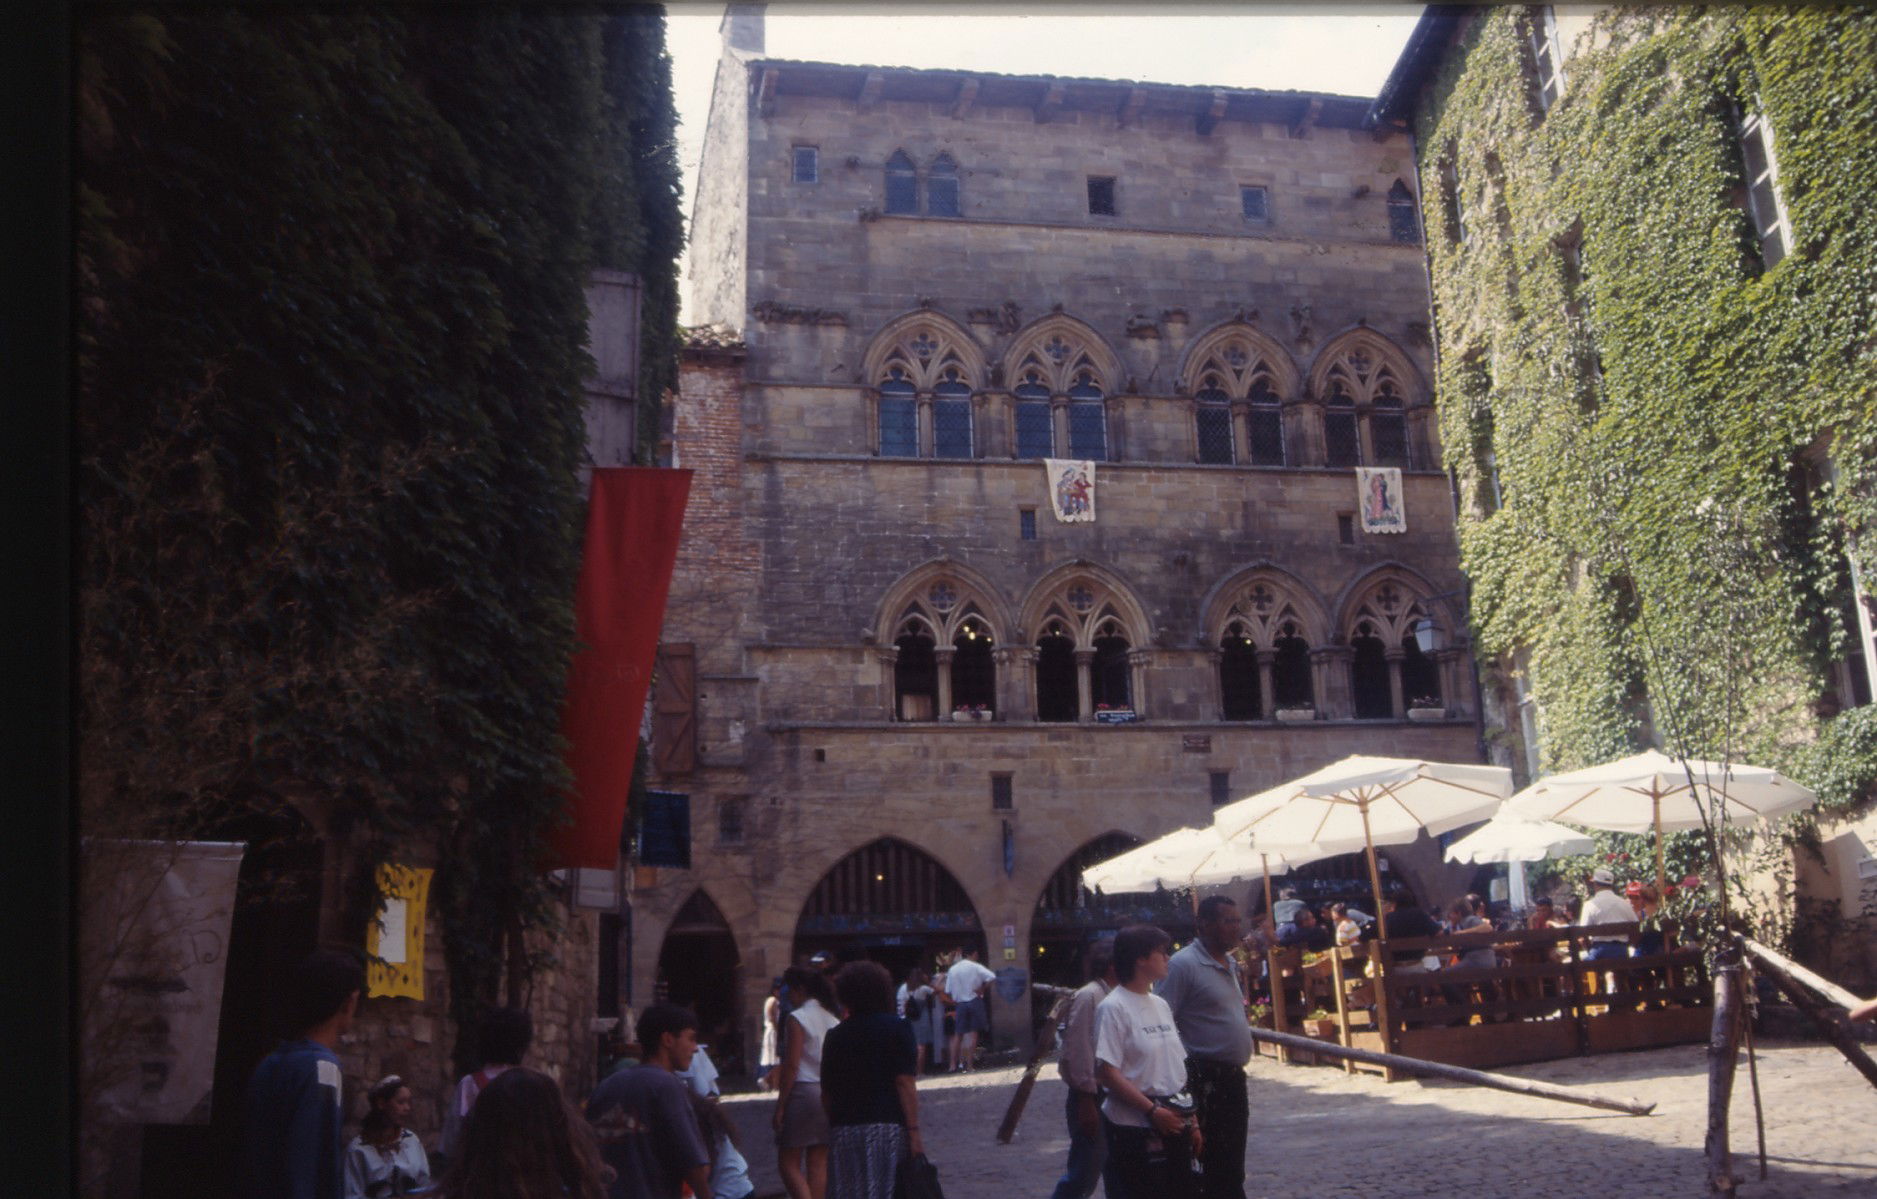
pixel 1109 597
pixel 1067 917
pixel 700 967
pixel 973 594
pixel 889 900
pixel 1393 614
pixel 1237 350
pixel 1060 348
pixel 925 343
pixel 1363 358
pixel 1289 598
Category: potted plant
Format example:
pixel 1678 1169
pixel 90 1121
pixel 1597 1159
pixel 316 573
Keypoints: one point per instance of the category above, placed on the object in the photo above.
pixel 971 712
pixel 1296 713
pixel 1426 707
pixel 1320 1024
pixel 1259 1014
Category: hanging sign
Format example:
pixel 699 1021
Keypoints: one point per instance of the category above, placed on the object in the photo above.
pixel 394 942
pixel 1071 489
pixel 1378 495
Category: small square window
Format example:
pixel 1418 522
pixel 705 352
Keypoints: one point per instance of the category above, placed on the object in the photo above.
pixel 1101 195
pixel 1221 781
pixel 807 164
pixel 1346 528
pixel 1026 523
pixel 730 821
pixel 1001 793
pixel 1255 202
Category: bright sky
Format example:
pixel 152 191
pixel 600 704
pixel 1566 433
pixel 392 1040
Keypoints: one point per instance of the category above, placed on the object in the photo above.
pixel 1347 49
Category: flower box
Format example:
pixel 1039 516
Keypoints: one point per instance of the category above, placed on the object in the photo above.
pixel 1321 1029
pixel 1296 715
pixel 971 715
pixel 1427 713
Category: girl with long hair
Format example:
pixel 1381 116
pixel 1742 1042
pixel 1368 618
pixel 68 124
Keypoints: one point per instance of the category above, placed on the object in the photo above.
pixel 523 1141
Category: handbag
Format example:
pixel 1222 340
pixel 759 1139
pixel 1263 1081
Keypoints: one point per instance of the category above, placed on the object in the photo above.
pixel 918 1179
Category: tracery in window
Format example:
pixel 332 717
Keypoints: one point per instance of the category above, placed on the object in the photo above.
pixel 902 184
pixel 1389 670
pixel 1264 614
pixel 1214 416
pixel 945 638
pixel 1060 361
pixel 1239 367
pixel 925 359
pixel 1084 620
pixel 941 187
pixel 1363 379
pixel 899 415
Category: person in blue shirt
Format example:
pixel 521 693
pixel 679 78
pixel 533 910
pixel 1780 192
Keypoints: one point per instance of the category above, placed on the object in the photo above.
pixel 291 1143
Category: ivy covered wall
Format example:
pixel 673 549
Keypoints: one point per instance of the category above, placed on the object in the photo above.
pixel 1644 420
pixel 332 338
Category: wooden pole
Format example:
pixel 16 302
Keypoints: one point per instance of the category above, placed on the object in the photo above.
pixel 1819 983
pixel 1828 1023
pixel 1264 859
pixel 1045 1041
pixel 1661 875
pixel 1723 1060
pixel 1375 873
pixel 1478 1078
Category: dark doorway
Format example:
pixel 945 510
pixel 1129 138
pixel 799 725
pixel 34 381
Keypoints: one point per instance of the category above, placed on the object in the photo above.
pixel 1068 917
pixel 698 968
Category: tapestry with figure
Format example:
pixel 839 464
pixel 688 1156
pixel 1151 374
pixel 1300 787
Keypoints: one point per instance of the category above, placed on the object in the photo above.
pixel 1378 494
pixel 1071 489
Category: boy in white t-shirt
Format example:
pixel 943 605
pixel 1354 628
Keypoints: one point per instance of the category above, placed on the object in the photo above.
pixel 1141 1064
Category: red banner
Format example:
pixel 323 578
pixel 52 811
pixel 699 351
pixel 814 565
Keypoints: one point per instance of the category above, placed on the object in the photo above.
pixel 634 515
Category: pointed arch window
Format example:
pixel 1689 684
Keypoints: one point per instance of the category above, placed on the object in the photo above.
pixel 1267 424
pixel 974 670
pixel 1264 660
pixel 1214 416
pixel 1238 673
pixel 1057 695
pixel 941 187
pixel 1420 675
pixel 951 415
pixel 1404 222
pixel 915 675
pixel 902 184
pixel 1368 675
pixel 1388 422
pixel 1108 674
pixel 1342 444
pixel 1035 437
pixel 1088 420
pixel 899 415
pixel 1291 682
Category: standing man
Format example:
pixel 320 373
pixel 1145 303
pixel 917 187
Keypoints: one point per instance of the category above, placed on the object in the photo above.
pixel 1605 906
pixel 291 1141
pixel 1088 1144
pixel 966 982
pixel 643 1119
pixel 1206 992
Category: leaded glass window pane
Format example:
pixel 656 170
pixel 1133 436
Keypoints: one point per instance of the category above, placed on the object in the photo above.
pixel 1035 437
pixel 1389 431
pixel 902 185
pixel 1402 223
pixel 951 420
pixel 899 420
pixel 1340 444
pixel 1267 436
pixel 1215 428
pixel 1088 424
pixel 941 189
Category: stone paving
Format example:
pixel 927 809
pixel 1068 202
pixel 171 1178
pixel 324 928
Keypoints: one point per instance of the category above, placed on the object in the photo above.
pixel 1324 1134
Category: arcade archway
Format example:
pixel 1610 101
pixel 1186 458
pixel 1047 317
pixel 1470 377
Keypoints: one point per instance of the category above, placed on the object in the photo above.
pixel 1068 916
pixel 891 903
pixel 698 967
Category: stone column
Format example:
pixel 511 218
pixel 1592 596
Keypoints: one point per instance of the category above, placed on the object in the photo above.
pixel 1397 702
pixel 1303 425
pixel 1016 682
pixel 1329 674
pixel 928 438
pixel 1241 432
pixel 888 656
pixel 1215 690
pixel 1453 689
pixel 1267 690
pixel 1138 662
pixel 943 654
pixel 1059 427
pixel 982 443
pixel 1084 685
pixel 1363 412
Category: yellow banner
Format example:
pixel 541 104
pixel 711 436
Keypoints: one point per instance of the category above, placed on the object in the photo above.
pixel 394 941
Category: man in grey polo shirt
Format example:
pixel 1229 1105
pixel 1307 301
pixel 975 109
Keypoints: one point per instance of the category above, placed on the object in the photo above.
pixel 1207 995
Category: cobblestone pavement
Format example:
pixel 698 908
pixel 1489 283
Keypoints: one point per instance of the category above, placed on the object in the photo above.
pixel 1324 1134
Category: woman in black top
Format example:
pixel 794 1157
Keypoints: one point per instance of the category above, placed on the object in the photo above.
pixel 868 1087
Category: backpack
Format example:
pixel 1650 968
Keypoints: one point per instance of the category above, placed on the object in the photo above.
pixel 914 1009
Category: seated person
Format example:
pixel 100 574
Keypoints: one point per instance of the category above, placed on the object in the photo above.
pixel 1463 916
pixel 1304 932
pixel 1285 910
pixel 1348 930
pixel 1646 902
pixel 1605 906
pixel 1544 916
pixel 1402 920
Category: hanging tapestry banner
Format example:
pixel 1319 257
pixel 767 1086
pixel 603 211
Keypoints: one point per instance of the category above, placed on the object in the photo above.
pixel 394 942
pixel 1071 489
pixel 1378 494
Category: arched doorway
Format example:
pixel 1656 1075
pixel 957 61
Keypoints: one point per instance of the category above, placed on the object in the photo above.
pixel 891 903
pixel 1068 916
pixel 698 967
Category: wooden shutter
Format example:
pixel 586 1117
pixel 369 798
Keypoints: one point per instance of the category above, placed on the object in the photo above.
pixel 674 711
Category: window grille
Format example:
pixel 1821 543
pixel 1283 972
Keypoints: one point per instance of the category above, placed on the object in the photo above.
pixel 1404 223
pixel 1388 426
pixel 1035 436
pixel 902 184
pixel 807 168
pixel 1101 195
pixel 1255 203
pixel 1088 424
pixel 1342 445
pixel 1214 417
pixel 1267 426
pixel 951 418
pixel 899 417
pixel 941 187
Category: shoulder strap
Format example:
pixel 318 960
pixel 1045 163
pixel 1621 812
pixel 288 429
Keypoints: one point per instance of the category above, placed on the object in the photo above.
pixel 482 1079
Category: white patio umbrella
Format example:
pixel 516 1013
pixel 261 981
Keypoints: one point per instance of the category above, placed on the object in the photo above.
pixel 1509 837
pixel 1364 801
pixel 1649 792
pixel 1163 862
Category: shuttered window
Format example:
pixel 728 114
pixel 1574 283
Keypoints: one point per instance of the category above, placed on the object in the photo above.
pixel 674 710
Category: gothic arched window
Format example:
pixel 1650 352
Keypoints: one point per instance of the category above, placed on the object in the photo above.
pixel 1035 436
pixel 1342 444
pixel 1368 675
pixel 899 415
pixel 1388 422
pixel 974 672
pixel 1057 694
pixel 1264 615
pixel 941 187
pixel 1060 362
pixel 1108 674
pixel 902 184
pixel 1088 420
pixel 1238 674
pixel 1291 682
pixel 1404 222
pixel 1214 416
pixel 1267 424
pixel 915 676
pixel 951 415
pixel 1363 382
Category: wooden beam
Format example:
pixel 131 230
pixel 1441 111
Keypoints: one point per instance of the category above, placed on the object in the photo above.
pixel 1822 985
pixel 1213 113
pixel 1831 1025
pixel 870 89
pixel 1130 109
pixel 1052 101
pixel 1302 125
pixel 766 92
pixel 1478 1078
pixel 966 97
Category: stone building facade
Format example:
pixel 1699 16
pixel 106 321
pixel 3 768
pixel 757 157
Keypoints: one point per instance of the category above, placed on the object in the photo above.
pixel 905 701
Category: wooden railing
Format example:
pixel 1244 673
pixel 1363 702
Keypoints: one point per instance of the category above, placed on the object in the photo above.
pixel 1540 1000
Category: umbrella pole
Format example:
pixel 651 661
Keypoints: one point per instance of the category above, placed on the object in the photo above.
pixel 1661 878
pixel 1375 874
pixel 1264 859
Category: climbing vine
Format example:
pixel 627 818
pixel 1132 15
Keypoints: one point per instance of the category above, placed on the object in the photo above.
pixel 1640 413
